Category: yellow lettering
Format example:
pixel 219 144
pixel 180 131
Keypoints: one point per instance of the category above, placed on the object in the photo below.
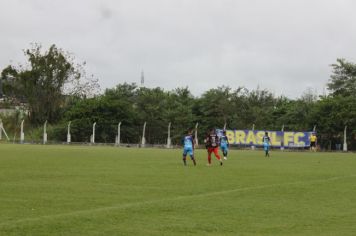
pixel 288 137
pixel 274 139
pixel 297 137
pixel 231 136
pixel 240 137
pixel 259 136
pixel 251 138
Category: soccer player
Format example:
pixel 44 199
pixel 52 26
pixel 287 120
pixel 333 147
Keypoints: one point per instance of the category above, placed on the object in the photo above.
pixel 188 148
pixel 224 144
pixel 266 141
pixel 212 144
pixel 313 140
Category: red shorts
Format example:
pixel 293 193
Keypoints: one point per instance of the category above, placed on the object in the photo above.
pixel 215 150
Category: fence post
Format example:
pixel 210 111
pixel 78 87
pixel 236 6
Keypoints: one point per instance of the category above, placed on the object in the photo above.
pixel 253 128
pixel 345 141
pixel 169 136
pixel 143 141
pixel 22 134
pixel 68 132
pixel 282 141
pixel 45 133
pixel 118 138
pixel 2 129
pixel 196 134
pixel 93 135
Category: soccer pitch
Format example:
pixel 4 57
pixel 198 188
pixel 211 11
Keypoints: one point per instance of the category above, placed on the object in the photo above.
pixel 81 190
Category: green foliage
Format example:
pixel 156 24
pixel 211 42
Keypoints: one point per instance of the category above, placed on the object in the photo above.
pixel 240 109
pixel 294 114
pixel 116 105
pixel 179 111
pixel 343 79
pixel 215 107
pixel 150 106
pixel 331 115
pixel 43 83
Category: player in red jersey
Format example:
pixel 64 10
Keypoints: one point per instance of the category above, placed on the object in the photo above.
pixel 212 145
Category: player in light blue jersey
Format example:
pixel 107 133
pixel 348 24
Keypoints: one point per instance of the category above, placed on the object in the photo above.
pixel 188 147
pixel 224 144
pixel 266 144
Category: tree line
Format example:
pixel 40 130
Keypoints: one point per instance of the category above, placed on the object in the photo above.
pixel 53 87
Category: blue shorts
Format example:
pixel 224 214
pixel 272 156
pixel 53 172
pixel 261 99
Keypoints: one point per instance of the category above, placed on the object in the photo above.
pixel 224 148
pixel 266 147
pixel 188 151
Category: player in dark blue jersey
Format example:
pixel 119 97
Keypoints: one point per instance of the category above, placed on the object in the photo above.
pixel 266 144
pixel 224 144
pixel 188 147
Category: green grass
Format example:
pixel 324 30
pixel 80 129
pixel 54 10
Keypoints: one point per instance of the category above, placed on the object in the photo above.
pixel 79 190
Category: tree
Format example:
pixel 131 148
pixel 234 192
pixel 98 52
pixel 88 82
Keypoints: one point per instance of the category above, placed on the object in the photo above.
pixel 332 114
pixel 295 115
pixel 214 107
pixel 150 106
pixel 45 82
pixel 257 108
pixel 309 96
pixel 179 111
pixel 343 79
pixel 114 106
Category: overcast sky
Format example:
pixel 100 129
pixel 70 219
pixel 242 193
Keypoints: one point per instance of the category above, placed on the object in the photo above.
pixel 285 46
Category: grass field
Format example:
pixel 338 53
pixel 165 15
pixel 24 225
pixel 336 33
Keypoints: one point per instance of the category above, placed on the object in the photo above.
pixel 79 190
